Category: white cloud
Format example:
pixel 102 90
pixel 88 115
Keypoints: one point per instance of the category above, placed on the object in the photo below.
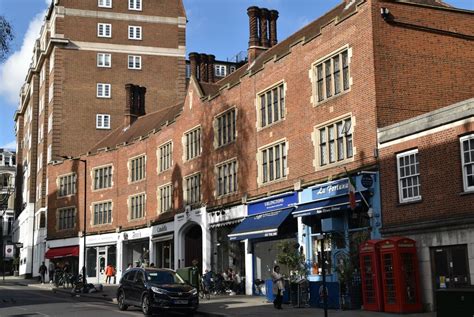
pixel 14 70
pixel 10 145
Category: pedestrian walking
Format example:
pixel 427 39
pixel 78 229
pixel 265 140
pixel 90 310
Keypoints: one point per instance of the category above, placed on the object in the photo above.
pixel 42 271
pixel 51 271
pixel 109 273
pixel 66 271
pixel 278 287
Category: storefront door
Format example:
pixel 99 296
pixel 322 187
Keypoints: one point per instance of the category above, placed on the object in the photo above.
pixel 97 260
pixel 164 254
pixel 450 266
pixel 193 246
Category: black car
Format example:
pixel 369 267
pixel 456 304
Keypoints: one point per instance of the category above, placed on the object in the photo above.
pixel 152 289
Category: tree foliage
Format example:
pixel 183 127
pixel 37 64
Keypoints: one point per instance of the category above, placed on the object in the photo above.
pixel 291 256
pixel 6 36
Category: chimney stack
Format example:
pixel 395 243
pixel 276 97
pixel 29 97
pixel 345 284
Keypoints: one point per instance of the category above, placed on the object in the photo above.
pixel 210 67
pixel 263 31
pixel 135 103
pixel 193 64
pixel 203 68
pixel 273 27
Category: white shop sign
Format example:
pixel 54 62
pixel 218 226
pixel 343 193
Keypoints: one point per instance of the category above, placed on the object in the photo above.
pixel 162 228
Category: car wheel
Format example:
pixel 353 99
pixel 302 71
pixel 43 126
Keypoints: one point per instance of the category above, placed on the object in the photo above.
pixel 146 309
pixel 121 301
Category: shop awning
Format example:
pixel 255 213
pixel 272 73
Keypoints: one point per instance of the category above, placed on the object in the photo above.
pixel 55 253
pixel 320 207
pixel 260 226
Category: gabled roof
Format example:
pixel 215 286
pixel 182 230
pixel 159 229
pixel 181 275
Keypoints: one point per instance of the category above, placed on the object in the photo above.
pixel 142 127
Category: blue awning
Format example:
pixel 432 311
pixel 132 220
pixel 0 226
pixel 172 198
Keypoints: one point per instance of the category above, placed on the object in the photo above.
pixel 260 226
pixel 334 204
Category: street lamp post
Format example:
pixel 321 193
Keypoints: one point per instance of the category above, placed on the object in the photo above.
pixel 6 192
pixel 84 272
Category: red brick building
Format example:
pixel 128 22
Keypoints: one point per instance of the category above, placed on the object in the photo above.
pixel 300 113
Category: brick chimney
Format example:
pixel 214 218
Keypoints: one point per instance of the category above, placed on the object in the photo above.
pixel 135 103
pixel 253 13
pixel 273 27
pixel 203 68
pixel 210 68
pixel 193 64
pixel 264 14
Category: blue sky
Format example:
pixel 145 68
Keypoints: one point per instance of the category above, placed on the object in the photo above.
pixel 218 27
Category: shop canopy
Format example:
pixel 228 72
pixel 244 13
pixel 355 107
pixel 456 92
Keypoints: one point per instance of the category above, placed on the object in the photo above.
pixel 326 206
pixel 56 253
pixel 261 225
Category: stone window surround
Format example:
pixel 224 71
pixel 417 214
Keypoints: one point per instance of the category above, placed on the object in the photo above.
pixel 92 175
pixel 58 184
pixel 58 210
pixel 91 209
pixel 257 105
pixel 260 182
pixel 129 206
pixel 216 127
pixel 184 143
pixel 216 173
pixel 129 168
pixel 158 194
pixel 185 194
pixel 158 157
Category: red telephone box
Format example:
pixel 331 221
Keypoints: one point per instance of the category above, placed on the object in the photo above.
pixel 372 295
pixel 400 275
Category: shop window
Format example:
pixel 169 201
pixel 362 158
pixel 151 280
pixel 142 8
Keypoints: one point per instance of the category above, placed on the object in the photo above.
pixel 91 254
pixel 408 168
pixel 319 246
pixel 66 185
pixel 272 105
pixel 165 156
pixel 137 206
pixel 467 157
pixel 192 143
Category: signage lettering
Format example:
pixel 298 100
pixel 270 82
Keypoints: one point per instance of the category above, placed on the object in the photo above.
pixel 273 204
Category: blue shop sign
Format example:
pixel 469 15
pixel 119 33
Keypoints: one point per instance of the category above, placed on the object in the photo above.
pixel 273 203
pixel 332 189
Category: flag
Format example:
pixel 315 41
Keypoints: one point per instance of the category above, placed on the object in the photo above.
pixel 352 192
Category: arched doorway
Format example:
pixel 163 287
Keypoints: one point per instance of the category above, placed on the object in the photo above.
pixel 193 245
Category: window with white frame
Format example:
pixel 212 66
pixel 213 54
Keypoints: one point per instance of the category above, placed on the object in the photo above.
pixel 51 60
pixel 225 127
pixel 104 60
pixel 335 142
pixel 103 177
pixel 135 5
pixel 51 92
pixel 332 75
pixel 102 213
pixel 50 122
pixel 192 189
pixel 104 30
pixel 66 218
pixel 273 162
pixel 467 157
pixel 105 3
pixel 42 74
pixel 192 143
pixel 165 198
pixel 408 168
pixel 41 104
pixel 134 62
pixel 227 178
pixel 272 105
pixel 165 156
pixel 49 153
pixel 137 206
pixel 40 133
pixel 232 69
pixel 103 90
pixel 134 32
pixel 39 162
pixel 137 167
pixel 67 185
pixel 220 70
pixel 102 121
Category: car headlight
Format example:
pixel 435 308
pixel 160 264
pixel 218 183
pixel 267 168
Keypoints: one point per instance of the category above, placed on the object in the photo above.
pixel 158 290
pixel 193 291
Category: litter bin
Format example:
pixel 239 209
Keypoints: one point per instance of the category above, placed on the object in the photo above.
pixel 189 275
pixel 458 302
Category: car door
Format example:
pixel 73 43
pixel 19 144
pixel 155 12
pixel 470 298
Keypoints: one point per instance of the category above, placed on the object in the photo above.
pixel 127 284
pixel 138 287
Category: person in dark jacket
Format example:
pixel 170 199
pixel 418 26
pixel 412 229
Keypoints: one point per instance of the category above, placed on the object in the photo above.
pixel 42 271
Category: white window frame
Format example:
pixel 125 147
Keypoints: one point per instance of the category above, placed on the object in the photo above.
pixel 49 153
pixel 465 175
pixel 104 4
pixel 71 209
pixel 264 113
pixel 101 120
pixel 51 92
pixel 104 60
pixel 135 5
pixel 227 177
pixel 102 30
pixel 50 122
pixel 267 164
pixel 134 62
pixel 141 205
pixel 103 87
pixel 135 32
pixel 195 192
pixel 411 177
pixel 165 198
pixel 220 70
pixel 164 154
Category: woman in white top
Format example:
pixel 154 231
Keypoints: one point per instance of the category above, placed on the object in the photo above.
pixel 278 287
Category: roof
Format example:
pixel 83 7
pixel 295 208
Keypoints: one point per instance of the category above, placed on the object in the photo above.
pixel 143 126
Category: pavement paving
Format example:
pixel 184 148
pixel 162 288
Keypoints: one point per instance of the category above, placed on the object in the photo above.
pixel 221 306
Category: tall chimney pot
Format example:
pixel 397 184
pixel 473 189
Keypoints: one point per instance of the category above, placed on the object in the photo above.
pixel 193 63
pixel 253 13
pixel 273 27
pixel 264 14
pixel 203 68
pixel 210 67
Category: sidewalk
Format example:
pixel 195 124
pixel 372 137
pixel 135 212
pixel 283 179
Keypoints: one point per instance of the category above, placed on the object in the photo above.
pixel 223 306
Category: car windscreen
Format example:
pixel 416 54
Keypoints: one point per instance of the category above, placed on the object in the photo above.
pixel 163 277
